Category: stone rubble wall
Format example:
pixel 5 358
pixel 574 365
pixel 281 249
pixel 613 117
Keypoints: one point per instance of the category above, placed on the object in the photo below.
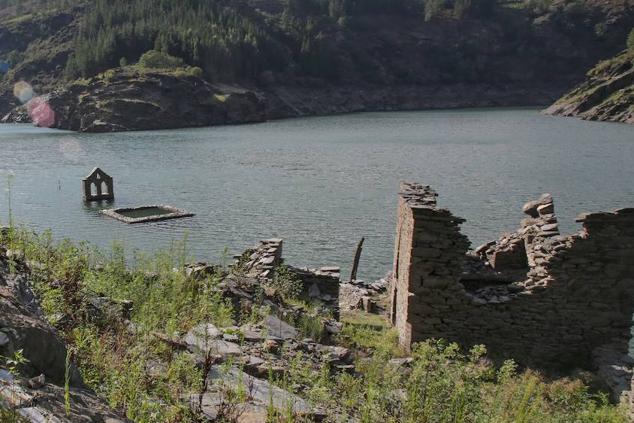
pixel 321 284
pixel 578 293
pixel 369 297
pixel 262 259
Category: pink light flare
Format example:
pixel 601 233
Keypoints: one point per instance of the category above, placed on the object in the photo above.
pixel 41 113
pixel 23 91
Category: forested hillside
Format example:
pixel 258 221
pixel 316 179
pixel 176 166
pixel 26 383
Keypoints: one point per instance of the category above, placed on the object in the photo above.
pixel 507 47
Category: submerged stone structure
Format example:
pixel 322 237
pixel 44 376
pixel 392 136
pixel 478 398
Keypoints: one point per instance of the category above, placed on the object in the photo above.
pixel 544 299
pixel 146 214
pixel 98 186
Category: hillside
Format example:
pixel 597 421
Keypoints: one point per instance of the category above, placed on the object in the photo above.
pixel 606 95
pixel 303 57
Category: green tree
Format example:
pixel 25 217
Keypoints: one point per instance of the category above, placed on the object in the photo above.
pixel 433 9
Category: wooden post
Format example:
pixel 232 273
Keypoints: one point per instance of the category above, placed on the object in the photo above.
pixel 357 257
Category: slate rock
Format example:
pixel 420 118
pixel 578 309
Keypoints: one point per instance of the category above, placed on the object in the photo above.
pixel 278 328
pixel 531 207
pixel 260 392
pixel 205 338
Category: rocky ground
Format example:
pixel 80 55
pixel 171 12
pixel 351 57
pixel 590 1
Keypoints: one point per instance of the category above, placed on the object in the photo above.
pixel 36 391
pixel 271 358
pixel 129 100
pixel 41 385
pixel 607 94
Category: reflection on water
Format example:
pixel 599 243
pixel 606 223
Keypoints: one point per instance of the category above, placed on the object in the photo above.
pixel 319 183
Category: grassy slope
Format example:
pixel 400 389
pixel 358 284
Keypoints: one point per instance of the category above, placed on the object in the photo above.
pixel 607 94
pixel 441 384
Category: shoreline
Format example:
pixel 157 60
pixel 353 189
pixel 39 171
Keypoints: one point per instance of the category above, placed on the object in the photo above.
pixel 155 108
pixel 539 108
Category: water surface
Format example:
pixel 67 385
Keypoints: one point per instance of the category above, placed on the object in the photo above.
pixel 320 183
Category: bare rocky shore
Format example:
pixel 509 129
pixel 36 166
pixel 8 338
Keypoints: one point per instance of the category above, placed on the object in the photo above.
pixel 130 100
pixel 606 95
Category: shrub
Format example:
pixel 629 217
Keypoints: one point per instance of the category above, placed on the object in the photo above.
pixel 188 71
pixel 286 283
pixel 155 59
pixel 196 71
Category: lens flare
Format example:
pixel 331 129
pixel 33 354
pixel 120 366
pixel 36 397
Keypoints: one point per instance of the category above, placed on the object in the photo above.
pixel 23 91
pixel 72 150
pixel 41 113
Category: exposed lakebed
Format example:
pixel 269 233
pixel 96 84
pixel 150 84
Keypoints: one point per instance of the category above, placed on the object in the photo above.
pixel 319 183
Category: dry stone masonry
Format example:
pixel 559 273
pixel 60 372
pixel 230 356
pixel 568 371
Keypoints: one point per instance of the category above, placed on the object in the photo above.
pixel 541 298
pixel 260 261
pixel 321 284
pixel 98 186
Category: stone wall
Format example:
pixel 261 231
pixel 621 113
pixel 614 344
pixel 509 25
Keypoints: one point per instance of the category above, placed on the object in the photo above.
pixel 577 293
pixel 428 261
pixel 261 260
pixel 320 284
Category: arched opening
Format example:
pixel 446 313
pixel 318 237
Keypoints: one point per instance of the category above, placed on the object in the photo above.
pixel 104 188
pixel 93 189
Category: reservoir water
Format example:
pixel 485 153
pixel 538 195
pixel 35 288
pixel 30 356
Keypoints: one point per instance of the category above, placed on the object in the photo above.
pixel 319 183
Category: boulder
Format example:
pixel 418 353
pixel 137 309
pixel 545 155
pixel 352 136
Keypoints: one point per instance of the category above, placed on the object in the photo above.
pixel 531 208
pixel 22 327
pixel 45 403
pixel 260 395
pixel 278 328
pixel 205 338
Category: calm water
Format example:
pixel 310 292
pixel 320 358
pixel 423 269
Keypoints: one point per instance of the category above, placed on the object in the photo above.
pixel 319 183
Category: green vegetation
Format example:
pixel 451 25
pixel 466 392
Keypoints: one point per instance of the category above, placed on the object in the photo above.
pixel 439 384
pixel 13 363
pixel 114 361
pixel 158 60
pixel 154 59
pixel 287 284
pixel 10 416
pixel 630 40
pixel 212 35
pixel 308 42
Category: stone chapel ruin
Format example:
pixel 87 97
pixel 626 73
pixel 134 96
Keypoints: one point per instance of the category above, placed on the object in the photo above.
pixel 98 186
pixel 544 299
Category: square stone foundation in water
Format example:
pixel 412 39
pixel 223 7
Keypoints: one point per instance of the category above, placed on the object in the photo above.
pixel 146 214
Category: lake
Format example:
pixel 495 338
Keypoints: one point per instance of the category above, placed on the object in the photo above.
pixel 319 183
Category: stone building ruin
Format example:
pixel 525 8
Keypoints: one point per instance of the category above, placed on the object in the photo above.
pixel 98 186
pixel 322 284
pixel 543 299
